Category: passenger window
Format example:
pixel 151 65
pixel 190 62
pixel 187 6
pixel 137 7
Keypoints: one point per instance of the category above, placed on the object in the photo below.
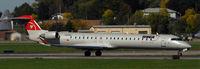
pixel 176 39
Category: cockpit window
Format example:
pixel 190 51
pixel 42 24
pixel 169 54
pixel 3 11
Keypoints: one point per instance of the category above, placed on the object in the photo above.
pixel 177 39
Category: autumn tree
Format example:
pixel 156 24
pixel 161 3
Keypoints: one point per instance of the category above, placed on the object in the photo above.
pixel 188 12
pixel 78 24
pixel 108 16
pixel 163 6
pixel 67 16
pixel 193 22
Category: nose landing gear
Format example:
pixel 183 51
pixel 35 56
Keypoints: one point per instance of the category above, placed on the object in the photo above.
pixel 179 54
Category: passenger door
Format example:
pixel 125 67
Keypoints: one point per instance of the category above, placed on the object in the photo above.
pixel 163 44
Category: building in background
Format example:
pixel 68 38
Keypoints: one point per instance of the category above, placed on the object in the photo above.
pixel 6 28
pixel 122 29
pixel 5 23
pixel 172 13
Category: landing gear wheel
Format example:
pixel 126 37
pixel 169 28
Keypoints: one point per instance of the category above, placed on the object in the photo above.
pixel 87 53
pixel 180 54
pixel 98 53
pixel 176 57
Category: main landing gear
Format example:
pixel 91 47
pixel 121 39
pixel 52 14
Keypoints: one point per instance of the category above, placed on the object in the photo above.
pixel 179 54
pixel 87 53
pixel 97 53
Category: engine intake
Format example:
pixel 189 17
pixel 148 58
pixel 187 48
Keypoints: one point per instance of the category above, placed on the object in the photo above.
pixel 50 35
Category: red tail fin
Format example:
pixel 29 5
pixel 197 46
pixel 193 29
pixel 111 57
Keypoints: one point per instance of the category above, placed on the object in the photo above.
pixel 31 25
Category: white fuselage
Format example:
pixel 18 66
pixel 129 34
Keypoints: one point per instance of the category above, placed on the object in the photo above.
pixel 113 41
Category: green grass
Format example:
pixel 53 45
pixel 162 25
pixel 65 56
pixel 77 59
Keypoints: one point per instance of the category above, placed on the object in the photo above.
pixel 98 64
pixel 37 48
pixel 195 45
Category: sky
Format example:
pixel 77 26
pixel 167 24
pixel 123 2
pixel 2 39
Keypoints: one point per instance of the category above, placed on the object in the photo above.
pixel 11 4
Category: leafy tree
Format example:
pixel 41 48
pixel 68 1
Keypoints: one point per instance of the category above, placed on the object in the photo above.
pixel 163 3
pixel 192 20
pixel 69 27
pixel 177 26
pixel 78 24
pixel 163 6
pixel 137 18
pixel 193 23
pixel 57 27
pixel 123 16
pixel 159 22
pixel 35 17
pixel 108 16
pixel 24 9
pixel 43 11
pixel 182 5
pixel 188 12
pixel 67 16
pixel 142 4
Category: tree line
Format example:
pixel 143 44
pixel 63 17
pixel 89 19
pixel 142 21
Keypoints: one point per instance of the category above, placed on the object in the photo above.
pixel 120 12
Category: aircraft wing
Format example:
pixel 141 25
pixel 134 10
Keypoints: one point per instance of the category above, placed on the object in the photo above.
pixel 91 46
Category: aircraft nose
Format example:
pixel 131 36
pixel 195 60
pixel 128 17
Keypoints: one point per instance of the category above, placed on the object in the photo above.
pixel 186 45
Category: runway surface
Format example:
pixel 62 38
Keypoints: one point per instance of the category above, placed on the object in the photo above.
pixel 108 55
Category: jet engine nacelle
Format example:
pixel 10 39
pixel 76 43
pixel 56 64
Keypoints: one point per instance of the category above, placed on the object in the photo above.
pixel 50 35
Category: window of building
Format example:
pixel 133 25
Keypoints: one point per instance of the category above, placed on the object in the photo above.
pixel 102 32
pixel 142 32
pixel 115 32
